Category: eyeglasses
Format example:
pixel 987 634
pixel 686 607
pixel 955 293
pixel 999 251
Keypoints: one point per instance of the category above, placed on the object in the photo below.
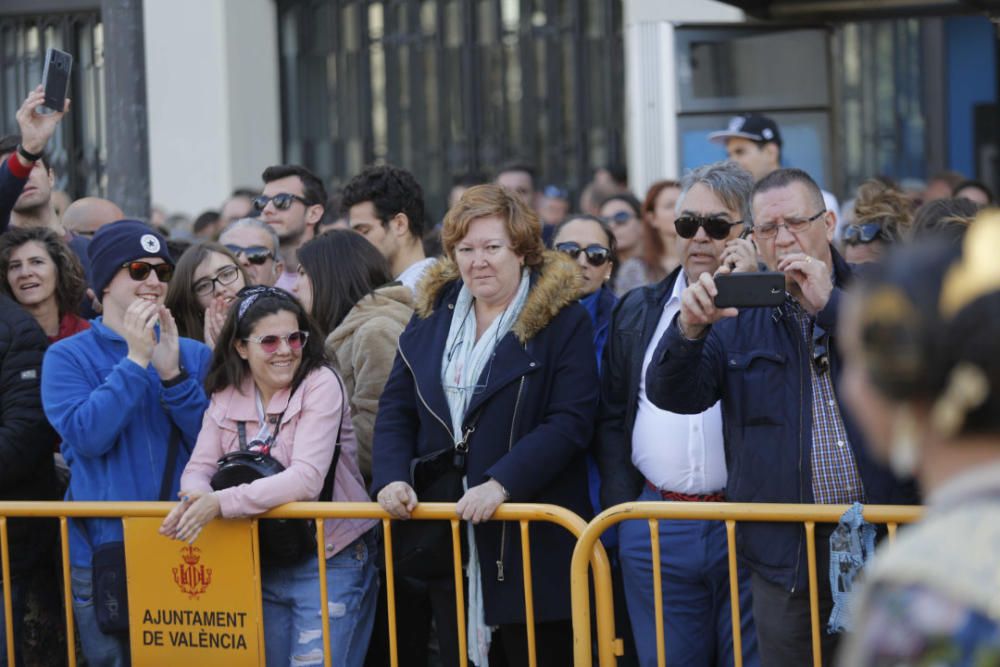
pixel 269 344
pixel 224 276
pixel 139 271
pixel 716 227
pixel 866 233
pixel 619 218
pixel 255 254
pixel 597 255
pixel 794 225
pixel 282 201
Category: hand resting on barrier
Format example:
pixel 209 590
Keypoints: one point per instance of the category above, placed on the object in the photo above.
pixel 187 519
pixel 480 502
pixel 398 499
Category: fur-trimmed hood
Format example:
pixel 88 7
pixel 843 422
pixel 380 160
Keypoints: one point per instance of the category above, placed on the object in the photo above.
pixel 555 284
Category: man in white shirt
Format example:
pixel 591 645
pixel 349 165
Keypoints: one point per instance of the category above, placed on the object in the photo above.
pixel 648 454
pixel 385 204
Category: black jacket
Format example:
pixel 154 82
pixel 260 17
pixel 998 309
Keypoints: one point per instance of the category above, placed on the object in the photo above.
pixel 27 441
pixel 759 366
pixel 633 324
pixel 535 424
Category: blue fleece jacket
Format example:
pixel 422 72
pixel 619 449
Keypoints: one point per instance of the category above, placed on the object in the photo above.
pixel 114 418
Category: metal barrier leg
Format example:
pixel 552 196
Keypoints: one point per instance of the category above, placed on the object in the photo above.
pixel 390 592
pixel 324 606
pixel 892 532
pixel 654 540
pixel 67 593
pixel 7 592
pixel 813 593
pixel 529 596
pixel 734 594
pixel 456 550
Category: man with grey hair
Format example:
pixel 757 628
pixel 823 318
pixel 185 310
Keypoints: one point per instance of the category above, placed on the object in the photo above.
pixel 648 454
pixel 255 245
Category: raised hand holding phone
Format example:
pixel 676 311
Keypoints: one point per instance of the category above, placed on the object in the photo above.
pixel 698 309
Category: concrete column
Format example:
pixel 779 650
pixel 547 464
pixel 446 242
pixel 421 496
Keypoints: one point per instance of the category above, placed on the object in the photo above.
pixel 125 86
pixel 213 94
pixel 651 82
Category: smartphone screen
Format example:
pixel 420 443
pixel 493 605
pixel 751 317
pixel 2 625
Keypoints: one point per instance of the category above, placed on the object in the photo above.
pixel 55 78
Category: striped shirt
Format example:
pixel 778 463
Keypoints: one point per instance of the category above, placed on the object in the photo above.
pixel 835 477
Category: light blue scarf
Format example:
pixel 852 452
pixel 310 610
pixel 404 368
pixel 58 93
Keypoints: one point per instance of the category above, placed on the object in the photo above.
pixel 462 368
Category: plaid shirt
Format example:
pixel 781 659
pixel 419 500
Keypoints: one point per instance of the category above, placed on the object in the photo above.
pixel 835 477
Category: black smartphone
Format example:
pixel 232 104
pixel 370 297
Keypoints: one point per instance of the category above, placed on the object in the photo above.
pixel 55 78
pixel 750 290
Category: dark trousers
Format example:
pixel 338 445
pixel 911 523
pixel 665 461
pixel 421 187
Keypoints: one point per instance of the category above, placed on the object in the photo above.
pixel 697 617
pixel 784 630
pixel 553 640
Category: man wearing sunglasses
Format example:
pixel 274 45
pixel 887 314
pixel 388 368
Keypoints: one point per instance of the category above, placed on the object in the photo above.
pixel 126 398
pixel 292 202
pixel 777 373
pixel 255 245
pixel 648 454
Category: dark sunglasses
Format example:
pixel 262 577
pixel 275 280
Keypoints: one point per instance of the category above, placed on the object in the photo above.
pixel 866 233
pixel 716 228
pixel 619 218
pixel 282 201
pixel 597 255
pixel 269 344
pixel 139 271
pixel 255 254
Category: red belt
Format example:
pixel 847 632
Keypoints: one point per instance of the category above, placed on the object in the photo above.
pixel 688 497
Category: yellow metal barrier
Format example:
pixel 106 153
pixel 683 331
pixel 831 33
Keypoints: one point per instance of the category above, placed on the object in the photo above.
pixel 521 513
pixel 730 513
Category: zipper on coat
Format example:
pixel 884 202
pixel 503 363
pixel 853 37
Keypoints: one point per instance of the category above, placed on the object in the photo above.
pixel 510 445
pixel 798 551
pixel 420 395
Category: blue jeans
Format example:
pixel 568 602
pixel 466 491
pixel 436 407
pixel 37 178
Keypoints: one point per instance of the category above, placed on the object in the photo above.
pixel 293 629
pixel 101 650
pixel 697 620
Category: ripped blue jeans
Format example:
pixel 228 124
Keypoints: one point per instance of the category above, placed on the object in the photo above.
pixel 293 628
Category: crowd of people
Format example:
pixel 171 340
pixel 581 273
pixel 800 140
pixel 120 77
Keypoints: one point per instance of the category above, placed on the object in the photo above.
pixel 522 350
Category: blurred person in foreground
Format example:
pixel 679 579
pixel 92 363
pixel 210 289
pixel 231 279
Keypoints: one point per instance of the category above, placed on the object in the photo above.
pixel 948 217
pixel 648 454
pixel 922 350
pixel 778 376
pixel 498 363
pixel 881 217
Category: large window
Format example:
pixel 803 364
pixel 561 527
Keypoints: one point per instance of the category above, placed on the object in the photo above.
pixel 78 151
pixel 444 87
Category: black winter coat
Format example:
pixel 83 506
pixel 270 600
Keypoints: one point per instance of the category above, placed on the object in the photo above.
pixel 536 421
pixel 27 441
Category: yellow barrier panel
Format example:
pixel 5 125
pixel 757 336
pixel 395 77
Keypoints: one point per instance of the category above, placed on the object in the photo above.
pixel 515 512
pixel 730 513
pixel 197 601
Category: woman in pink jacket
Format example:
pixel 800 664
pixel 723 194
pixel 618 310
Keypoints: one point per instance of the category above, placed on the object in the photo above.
pixel 269 380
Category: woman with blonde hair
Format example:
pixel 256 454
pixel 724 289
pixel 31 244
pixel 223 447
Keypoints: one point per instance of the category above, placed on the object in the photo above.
pixel 882 216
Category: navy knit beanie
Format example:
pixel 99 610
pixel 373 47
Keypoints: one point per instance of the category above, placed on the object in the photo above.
pixel 119 243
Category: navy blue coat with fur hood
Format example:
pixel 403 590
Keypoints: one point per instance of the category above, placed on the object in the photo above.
pixel 537 418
